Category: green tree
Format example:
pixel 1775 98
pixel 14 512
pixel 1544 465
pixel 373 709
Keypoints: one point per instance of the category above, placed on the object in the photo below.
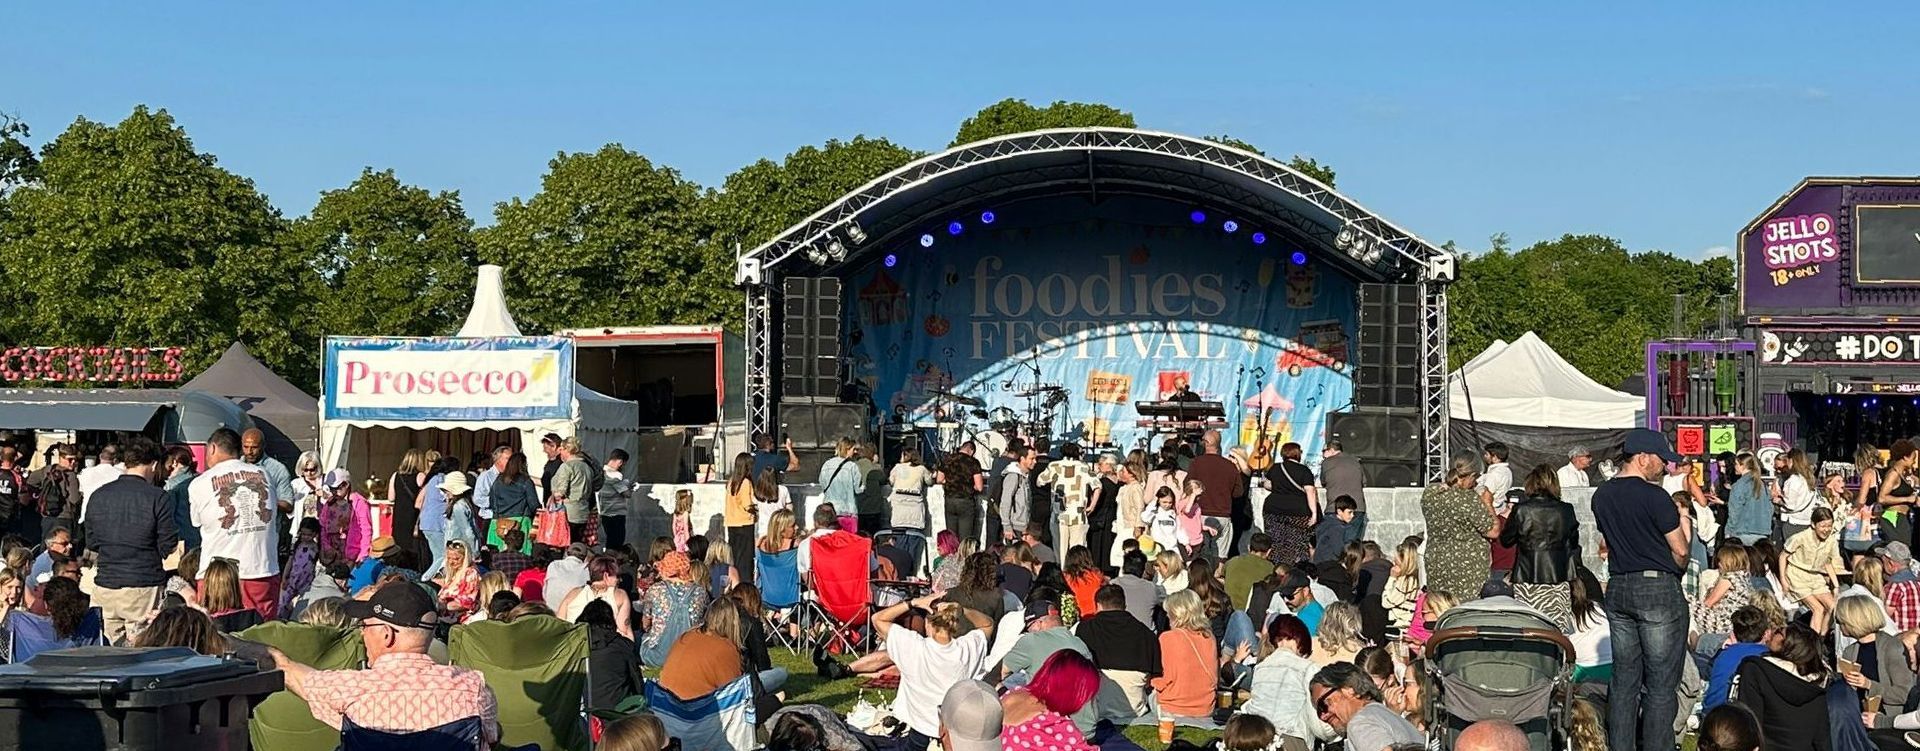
pixel 763 198
pixel 610 240
pixel 391 259
pixel 1304 165
pixel 1017 116
pixel 130 237
pixel 18 164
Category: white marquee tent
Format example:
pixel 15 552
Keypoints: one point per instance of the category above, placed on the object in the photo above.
pixel 1527 383
pixel 373 448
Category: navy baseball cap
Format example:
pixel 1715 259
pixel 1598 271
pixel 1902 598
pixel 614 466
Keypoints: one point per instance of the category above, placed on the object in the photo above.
pixel 1644 441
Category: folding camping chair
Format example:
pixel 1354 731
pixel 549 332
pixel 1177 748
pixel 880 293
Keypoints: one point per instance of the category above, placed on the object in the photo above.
pixel 537 668
pixel 842 590
pixel 914 543
pixel 721 721
pixel 283 720
pixel 29 634
pixel 779 575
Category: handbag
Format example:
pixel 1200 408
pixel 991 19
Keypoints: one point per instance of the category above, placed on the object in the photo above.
pixel 550 528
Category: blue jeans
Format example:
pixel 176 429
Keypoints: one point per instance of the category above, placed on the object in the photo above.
pixel 773 679
pixel 1648 616
pixel 437 542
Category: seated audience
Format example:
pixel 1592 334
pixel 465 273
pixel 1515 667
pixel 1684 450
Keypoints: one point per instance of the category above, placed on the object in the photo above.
pixel 637 732
pixel 1036 715
pixel 1338 638
pixel 1348 701
pixel 1189 670
pixel 703 660
pixel 930 665
pixel 1125 650
pixel 612 663
pixel 1750 630
pixel 1279 686
pixel 1142 595
pixel 671 607
pixel 1728 727
pixel 1787 691
pixel 971 718
pixel 220 597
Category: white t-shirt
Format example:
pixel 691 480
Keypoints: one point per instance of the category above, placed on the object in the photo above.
pixel 1572 477
pixel 1498 479
pixel 92 478
pixel 1593 642
pixel 233 505
pixel 563 576
pixel 927 669
pixel 1797 501
pixel 763 511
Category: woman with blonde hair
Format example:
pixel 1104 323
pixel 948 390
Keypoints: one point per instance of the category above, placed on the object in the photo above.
pixel 721 571
pixel 403 490
pixel 1339 639
pixel 1170 572
pixel 493 583
pixel 459 583
pixel 1403 587
pixel 636 732
pixel 1749 513
pixel 1459 554
pixel 1130 501
pixel 1713 614
pixel 781 534
pixel 220 597
pixel 1794 495
pixel 1890 677
pixel 1189 665
pixel 328 611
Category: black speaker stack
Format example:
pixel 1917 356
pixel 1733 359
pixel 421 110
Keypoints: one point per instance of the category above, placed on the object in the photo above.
pixel 810 337
pixel 1383 428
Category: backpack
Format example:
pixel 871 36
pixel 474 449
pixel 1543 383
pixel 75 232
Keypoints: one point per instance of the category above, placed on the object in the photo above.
pixel 596 475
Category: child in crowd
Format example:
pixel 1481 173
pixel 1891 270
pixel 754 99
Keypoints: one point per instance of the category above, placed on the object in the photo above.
pixel 1162 521
pixel 1247 732
pixel 1193 532
pixel 1751 624
pixel 1403 587
pixel 682 518
pixel 1860 531
pixel 1811 565
pixel 1335 530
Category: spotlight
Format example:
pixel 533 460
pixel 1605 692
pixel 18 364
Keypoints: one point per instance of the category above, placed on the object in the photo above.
pixel 926 241
pixel 1259 238
pixel 891 260
pixel 816 256
pixel 855 233
pixel 1345 238
pixel 836 250
pixel 1198 216
pixel 1299 258
pixel 954 228
pixel 986 217
pixel 1230 226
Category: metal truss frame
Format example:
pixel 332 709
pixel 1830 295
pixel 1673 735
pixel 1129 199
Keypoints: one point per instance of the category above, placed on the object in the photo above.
pixel 1066 160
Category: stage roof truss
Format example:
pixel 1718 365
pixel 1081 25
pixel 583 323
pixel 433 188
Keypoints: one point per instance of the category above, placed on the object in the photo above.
pixel 1099 162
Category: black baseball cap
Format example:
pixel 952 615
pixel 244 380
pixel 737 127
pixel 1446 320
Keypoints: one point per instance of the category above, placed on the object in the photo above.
pixel 400 603
pixel 1644 441
pixel 1294 582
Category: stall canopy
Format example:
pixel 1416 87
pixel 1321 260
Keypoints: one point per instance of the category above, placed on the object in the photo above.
pixel 371 445
pixel 289 416
pixel 1526 395
pixel 170 415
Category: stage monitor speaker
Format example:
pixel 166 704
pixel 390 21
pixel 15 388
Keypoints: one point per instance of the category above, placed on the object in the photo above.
pixel 1387 443
pixel 810 337
pixel 662 457
pixel 1389 370
pixel 822 424
pixel 810 461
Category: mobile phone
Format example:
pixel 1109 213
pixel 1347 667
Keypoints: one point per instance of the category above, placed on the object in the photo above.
pixel 1848 666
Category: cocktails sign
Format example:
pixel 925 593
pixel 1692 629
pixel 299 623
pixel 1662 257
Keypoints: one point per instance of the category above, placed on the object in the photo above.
pixel 92 364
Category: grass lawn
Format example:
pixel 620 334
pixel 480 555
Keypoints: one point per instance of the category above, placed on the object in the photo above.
pixel 807 687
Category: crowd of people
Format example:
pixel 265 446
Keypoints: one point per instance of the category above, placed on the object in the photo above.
pixel 1068 596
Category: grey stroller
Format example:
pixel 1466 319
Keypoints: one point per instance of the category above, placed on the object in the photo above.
pixel 1498 659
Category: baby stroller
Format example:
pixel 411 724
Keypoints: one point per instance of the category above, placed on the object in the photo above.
pixel 1498 659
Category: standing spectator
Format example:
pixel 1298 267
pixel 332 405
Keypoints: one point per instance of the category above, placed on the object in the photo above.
pixel 1075 489
pixel 433 509
pixel 960 475
pixel 1497 478
pixel 909 499
pixel 514 500
pixel 1795 495
pixel 1647 537
pixel 234 508
pixel 1459 558
pixel 1749 510
pixel 1221 485
pixel 550 447
pixel 766 458
pixel 1896 494
pixel 13 489
pixel 133 530
pixel 180 470
pixel 1342 475
pixel 59 488
pixel 106 466
pixel 1345 698
pixel 1190 667
pixel 572 488
pixel 253 449
pixel 613 499
pixel 872 497
pixel 1292 508
pixel 1104 512
pixel 1573 474
pixel 402 690
pixel 483 482
pixel 403 489
pixel 1016 495
pixel 841 479
pixel 1546 541
pixel 738 516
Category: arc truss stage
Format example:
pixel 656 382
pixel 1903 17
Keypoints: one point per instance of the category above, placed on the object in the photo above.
pixel 1088 271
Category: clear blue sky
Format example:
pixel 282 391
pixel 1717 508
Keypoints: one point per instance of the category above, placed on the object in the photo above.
pixel 1666 128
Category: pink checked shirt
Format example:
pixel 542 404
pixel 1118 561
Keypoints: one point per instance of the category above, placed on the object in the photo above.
pixel 401 693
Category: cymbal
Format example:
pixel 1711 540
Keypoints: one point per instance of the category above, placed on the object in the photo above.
pixel 960 399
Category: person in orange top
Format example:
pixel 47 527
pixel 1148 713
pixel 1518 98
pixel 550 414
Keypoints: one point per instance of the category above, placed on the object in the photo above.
pixel 1083 577
pixel 740 515
pixel 1189 666
pixel 703 661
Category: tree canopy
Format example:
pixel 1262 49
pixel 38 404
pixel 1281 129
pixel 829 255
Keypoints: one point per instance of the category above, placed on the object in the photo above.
pixel 125 234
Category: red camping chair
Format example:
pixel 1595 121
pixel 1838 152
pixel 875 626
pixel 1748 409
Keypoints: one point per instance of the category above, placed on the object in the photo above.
pixel 842 598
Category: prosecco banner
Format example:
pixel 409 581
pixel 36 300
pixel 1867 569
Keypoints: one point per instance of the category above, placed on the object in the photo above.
pixel 1113 305
pixel 493 378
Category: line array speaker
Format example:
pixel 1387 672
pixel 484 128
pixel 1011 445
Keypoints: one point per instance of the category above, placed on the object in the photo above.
pixel 1387 442
pixel 810 337
pixel 822 424
pixel 1389 371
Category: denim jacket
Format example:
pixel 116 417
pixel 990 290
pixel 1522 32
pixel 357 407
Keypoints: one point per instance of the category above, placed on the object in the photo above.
pixel 1750 510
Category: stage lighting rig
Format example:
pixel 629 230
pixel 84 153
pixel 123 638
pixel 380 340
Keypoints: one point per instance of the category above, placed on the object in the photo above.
pixel 837 251
pixel 926 240
pixel 955 227
pixel 1230 226
pixel 855 233
pixel 986 217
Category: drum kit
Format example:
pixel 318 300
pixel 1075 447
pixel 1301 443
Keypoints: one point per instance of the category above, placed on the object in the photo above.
pixel 959 418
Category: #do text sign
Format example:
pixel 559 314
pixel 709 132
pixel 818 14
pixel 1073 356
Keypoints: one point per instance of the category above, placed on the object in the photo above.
pixel 499 378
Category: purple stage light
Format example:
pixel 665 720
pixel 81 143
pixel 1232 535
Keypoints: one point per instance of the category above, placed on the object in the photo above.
pixel 1299 258
pixel 986 217
pixel 890 260
pixel 1259 238
pixel 954 228
pixel 926 241
pixel 1230 226
pixel 1198 216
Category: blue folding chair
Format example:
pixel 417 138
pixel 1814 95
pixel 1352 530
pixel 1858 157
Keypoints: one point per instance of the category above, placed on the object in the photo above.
pixel 779 581
pixel 29 634
pixel 459 735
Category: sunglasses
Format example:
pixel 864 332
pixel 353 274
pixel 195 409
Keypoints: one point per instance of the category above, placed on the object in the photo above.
pixel 1320 702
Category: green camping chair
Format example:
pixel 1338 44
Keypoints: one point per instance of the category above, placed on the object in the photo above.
pixel 284 722
pixel 537 668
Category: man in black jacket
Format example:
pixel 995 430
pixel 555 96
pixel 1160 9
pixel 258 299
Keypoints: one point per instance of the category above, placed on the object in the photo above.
pixel 132 528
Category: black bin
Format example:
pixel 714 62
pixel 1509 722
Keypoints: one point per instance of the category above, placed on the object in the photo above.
pixel 112 698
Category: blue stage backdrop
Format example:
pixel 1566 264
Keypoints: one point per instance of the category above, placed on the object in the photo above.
pixel 1118 303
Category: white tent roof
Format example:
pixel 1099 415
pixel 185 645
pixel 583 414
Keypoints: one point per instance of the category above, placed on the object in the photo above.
pixel 489 315
pixel 1527 383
